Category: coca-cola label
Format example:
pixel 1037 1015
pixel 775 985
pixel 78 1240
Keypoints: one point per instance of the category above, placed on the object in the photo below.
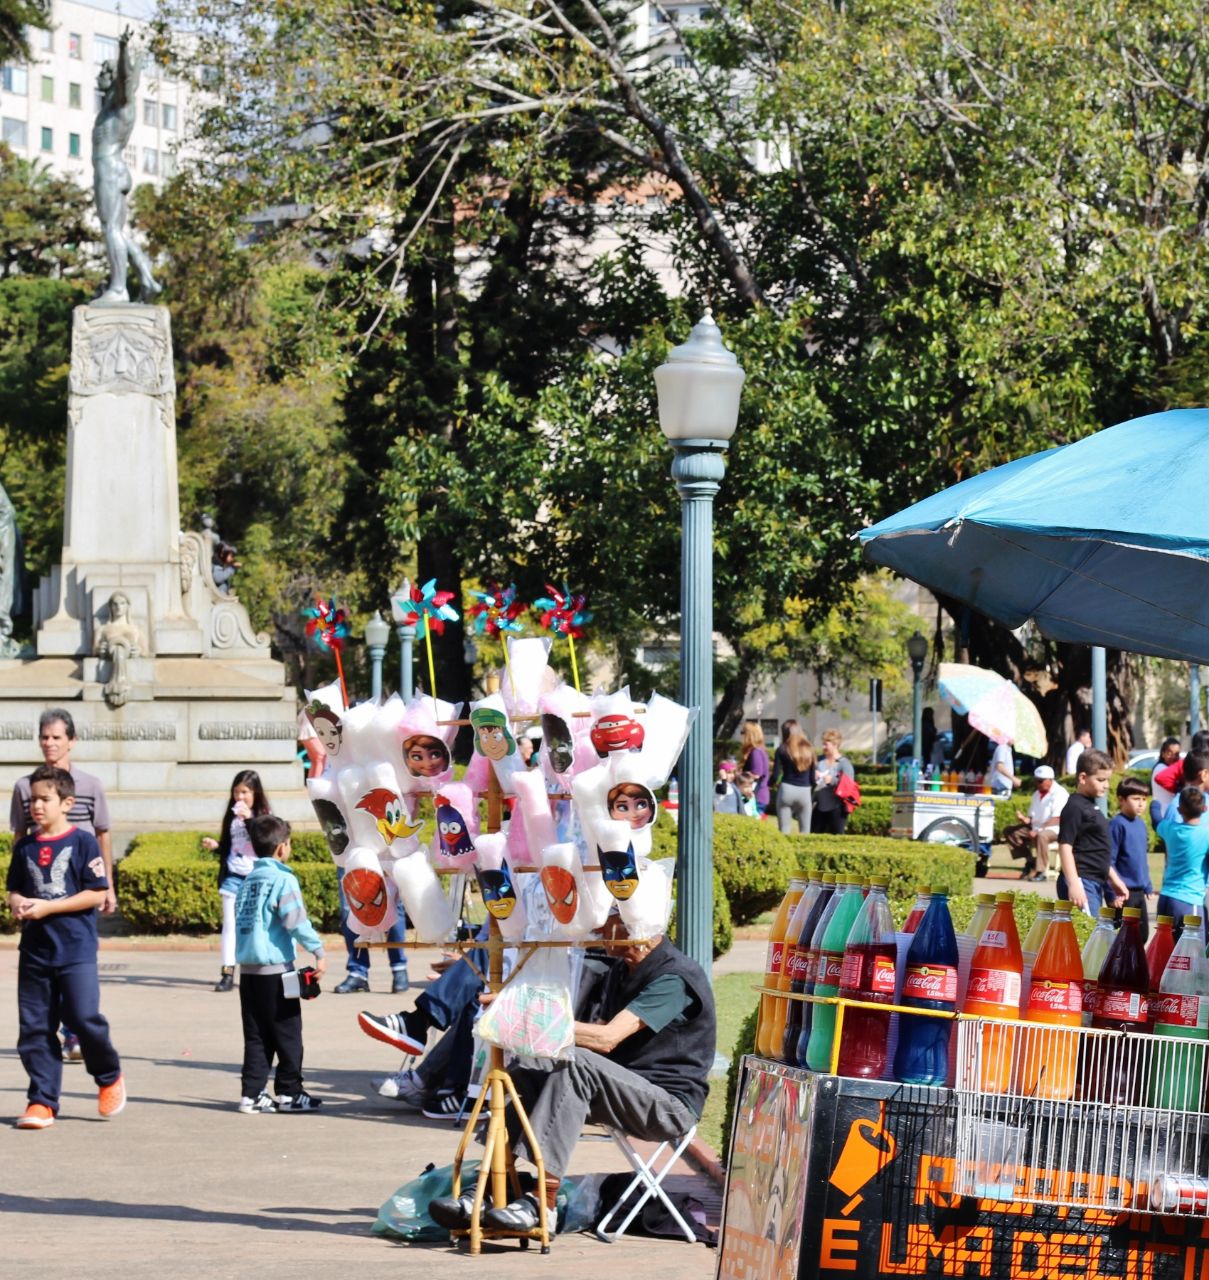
pixel 850 971
pixel 1120 1006
pixel 831 965
pixel 1047 996
pixel 993 938
pixel 930 982
pixel 795 966
pixel 1182 1011
pixel 776 957
pixel 1179 962
pixel 883 976
pixel 1091 996
pixel 994 986
pixel 811 963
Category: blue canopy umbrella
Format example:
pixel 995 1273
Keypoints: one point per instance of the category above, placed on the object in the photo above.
pixel 1101 542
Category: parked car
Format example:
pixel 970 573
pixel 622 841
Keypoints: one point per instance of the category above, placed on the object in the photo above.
pixel 1144 758
pixel 904 748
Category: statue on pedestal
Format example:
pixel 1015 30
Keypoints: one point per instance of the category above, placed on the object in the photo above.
pixel 12 576
pixel 112 181
pixel 119 640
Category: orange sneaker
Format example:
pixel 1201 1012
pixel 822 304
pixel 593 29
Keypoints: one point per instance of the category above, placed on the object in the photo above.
pixel 37 1116
pixel 112 1098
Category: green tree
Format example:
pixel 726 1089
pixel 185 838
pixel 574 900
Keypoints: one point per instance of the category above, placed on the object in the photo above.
pixel 15 17
pixel 43 220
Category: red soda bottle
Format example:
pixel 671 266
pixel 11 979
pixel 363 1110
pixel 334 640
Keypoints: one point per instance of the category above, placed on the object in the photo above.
pixel 868 975
pixel 1122 996
pixel 923 896
pixel 1158 952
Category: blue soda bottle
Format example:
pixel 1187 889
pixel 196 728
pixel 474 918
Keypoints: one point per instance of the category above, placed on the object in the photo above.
pixel 930 982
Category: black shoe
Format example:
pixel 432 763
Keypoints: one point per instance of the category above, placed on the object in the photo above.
pixel 453 1215
pixel 298 1102
pixel 227 981
pixel 399 982
pixel 520 1215
pixel 354 982
pixel 445 1106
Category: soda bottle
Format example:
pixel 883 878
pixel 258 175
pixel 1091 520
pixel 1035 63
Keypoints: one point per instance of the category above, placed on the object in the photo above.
pixel 801 971
pixel 923 896
pixel 930 982
pixel 994 992
pixel 984 909
pixel 1158 952
pixel 827 975
pixel 1182 1013
pixel 792 964
pixel 1094 951
pixel 1030 948
pixel 1122 989
pixel 814 960
pixel 868 974
pixel 774 964
pixel 1049 1059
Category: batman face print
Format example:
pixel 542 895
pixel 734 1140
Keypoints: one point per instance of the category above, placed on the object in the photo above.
pixel 619 869
pixel 499 894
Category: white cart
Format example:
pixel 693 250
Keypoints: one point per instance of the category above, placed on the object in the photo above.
pixel 946 817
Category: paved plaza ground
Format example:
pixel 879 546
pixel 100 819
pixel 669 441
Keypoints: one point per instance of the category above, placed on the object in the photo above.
pixel 181 1184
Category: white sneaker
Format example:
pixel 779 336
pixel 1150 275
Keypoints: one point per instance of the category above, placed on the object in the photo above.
pixel 250 1106
pixel 404 1087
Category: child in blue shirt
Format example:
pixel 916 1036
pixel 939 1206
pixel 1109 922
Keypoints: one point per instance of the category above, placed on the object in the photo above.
pixel 270 917
pixel 56 882
pixel 1129 843
pixel 1187 842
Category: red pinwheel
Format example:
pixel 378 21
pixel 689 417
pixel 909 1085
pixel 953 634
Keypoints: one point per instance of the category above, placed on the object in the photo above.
pixel 565 615
pixel 327 624
pixel 497 610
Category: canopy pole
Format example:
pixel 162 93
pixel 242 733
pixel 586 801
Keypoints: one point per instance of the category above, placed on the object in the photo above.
pixel 1194 698
pixel 1099 706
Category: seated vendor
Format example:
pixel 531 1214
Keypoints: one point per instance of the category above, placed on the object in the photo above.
pixel 643 1068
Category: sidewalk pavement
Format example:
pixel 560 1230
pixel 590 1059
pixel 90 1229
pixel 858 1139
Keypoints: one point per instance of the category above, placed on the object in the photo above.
pixel 182 1184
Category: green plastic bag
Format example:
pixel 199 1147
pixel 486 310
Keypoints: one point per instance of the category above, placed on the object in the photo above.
pixel 405 1215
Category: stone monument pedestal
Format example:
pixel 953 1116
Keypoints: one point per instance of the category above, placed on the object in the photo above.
pixel 170 688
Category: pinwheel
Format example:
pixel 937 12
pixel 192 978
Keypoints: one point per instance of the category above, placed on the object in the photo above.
pixel 565 615
pixel 433 606
pixel 327 624
pixel 497 612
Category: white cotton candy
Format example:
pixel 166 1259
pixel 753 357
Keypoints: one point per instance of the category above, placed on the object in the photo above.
pixel 358 737
pixel 525 672
pixel 665 728
pixel 371 897
pixel 566 725
pixel 423 899
pixel 533 801
pixel 646 911
pixel 492 862
pixel 329 809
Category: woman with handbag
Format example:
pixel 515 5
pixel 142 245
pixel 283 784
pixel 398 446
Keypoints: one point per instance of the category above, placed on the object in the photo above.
pixel 830 811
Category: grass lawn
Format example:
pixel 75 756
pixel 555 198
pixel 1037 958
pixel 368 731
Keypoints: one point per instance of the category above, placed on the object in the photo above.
pixel 735 999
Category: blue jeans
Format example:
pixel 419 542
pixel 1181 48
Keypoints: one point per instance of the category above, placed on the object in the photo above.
pixel 358 957
pixel 1177 910
pixel 1096 891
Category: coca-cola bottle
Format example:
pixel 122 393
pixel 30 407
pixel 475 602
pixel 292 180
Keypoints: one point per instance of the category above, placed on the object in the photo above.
pixel 1158 952
pixel 815 964
pixel 801 970
pixel 1182 1014
pixel 1048 1059
pixel 793 963
pixel 828 974
pixel 1122 997
pixel 1094 951
pixel 868 975
pixel 930 982
pixel 923 896
pixel 773 964
pixel 994 992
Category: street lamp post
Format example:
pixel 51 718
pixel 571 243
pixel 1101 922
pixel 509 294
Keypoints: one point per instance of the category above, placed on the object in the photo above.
pixel 698 391
pixel 407 634
pixel 917 651
pixel 377 635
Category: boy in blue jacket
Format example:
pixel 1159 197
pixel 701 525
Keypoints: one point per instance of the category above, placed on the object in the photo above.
pixel 270 917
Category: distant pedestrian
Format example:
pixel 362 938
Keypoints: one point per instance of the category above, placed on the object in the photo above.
pixel 753 759
pixel 830 815
pixel 270 917
pixel 727 797
pixel 1003 770
pixel 748 805
pixel 793 776
pixel 56 882
pixel 1129 840
pixel 1160 798
pixel 1075 750
pixel 236 859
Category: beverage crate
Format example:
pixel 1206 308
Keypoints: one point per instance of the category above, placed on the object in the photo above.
pixel 1077 1117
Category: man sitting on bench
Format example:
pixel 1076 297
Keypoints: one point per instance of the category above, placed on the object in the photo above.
pixel 642 1067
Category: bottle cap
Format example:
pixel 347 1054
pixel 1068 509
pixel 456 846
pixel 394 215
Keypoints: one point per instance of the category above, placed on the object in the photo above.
pixel 878 882
pixel 1131 913
pixel 1061 905
pixel 986 899
pixel 1001 898
pixel 1191 922
pixel 829 877
pixel 1160 920
pixel 1110 913
pixel 924 889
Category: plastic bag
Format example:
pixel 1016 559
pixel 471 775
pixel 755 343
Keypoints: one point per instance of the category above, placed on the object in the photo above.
pixel 534 1015
pixel 405 1215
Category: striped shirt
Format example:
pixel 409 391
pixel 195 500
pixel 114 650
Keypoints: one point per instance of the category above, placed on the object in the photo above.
pixel 90 812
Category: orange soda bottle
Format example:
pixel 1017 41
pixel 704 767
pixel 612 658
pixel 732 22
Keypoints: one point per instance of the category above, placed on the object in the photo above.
pixel 792 962
pixel 1049 1060
pixel 994 992
pixel 774 967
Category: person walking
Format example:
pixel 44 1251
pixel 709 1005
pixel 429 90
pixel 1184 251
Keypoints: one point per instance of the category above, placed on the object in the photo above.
pixel 754 760
pixel 793 777
pixel 830 815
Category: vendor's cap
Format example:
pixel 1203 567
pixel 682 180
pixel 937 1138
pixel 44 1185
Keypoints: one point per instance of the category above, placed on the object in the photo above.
pixel 1043 771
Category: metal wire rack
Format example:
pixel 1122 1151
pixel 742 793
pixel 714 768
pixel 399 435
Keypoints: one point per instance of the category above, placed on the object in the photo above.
pixel 1071 1116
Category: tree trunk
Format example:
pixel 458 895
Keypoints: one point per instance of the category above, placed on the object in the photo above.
pixel 728 711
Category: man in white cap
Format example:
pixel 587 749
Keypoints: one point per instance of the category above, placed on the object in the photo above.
pixel 1032 836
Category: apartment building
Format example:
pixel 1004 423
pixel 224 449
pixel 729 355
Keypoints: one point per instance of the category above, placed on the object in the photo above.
pixel 48 105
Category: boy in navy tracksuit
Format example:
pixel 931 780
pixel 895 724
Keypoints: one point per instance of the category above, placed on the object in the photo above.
pixel 270 916
pixel 56 882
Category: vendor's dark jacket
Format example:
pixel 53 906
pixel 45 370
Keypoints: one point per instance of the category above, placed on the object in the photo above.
pixel 678 1058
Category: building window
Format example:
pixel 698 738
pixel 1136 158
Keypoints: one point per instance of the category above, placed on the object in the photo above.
pixel 73 144
pixel 48 139
pixel 48 88
pixel 104 49
pixel 151 114
pixel 14 80
pixel 46 41
pixel 169 117
pixel 75 45
pixel 151 160
pixel 73 95
pixel 169 164
pixel 14 132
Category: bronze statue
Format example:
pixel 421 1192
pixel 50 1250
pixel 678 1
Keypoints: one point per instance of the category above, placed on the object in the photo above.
pixel 112 181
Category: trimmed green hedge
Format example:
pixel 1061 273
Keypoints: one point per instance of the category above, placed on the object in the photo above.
pixel 906 864
pixel 7 923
